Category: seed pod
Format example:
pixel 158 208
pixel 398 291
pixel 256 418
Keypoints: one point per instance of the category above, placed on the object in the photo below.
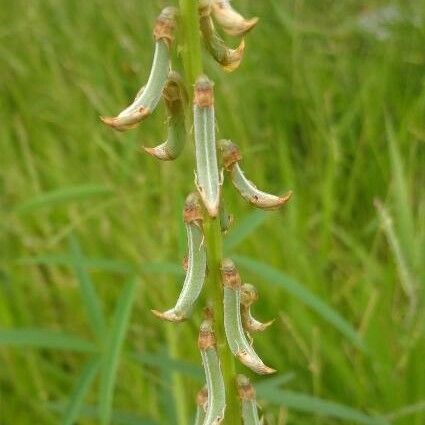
pixel 215 384
pixel 228 58
pixel 175 98
pixel 201 405
pixel 197 262
pixel 231 21
pixel 230 157
pixel 207 174
pixel 148 97
pixel 249 295
pixel 249 405
pixel 235 334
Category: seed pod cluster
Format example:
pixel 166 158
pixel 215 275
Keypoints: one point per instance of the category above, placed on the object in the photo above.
pixel 236 337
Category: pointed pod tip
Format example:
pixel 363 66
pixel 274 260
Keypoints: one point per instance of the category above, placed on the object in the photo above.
pixel 169 315
pixel 256 365
pixel 158 152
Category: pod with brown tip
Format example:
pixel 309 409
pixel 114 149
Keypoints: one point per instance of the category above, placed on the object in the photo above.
pixel 148 97
pixel 249 405
pixel 231 156
pixel 196 263
pixel 175 98
pixel 215 384
pixel 235 335
pixel 201 405
pixel 228 58
pixel 208 179
pixel 249 295
pixel 231 20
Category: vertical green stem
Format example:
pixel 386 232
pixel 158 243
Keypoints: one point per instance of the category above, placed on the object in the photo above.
pixel 192 61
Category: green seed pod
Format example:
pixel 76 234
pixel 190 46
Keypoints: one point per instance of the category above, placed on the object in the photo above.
pixel 201 405
pixel 197 263
pixel 228 58
pixel 175 97
pixel 249 295
pixel 231 21
pixel 249 405
pixel 230 157
pixel 148 97
pixel 208 180
pixel 235 335
pixel 215 384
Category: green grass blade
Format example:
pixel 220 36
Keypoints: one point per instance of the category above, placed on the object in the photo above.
pixel 309 404
pixel 82 386
pixel 244 228
pixel 88 292
pixel 63 196
pixel 41 338
pixel 112 350
pixel 102 264
pixel 304 295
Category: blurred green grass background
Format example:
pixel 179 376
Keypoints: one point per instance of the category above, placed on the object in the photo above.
pixel 329 102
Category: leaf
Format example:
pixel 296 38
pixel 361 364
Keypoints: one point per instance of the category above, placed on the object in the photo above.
pixel 112 351
pixel 41 338
pixel 306 403
pixel 88 292
pixel 245 227
pixel 77 397
pixel 303 294
pixel 62 196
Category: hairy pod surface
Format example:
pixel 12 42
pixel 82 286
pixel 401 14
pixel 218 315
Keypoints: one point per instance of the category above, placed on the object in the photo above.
pixel 249 405
pixel 230 157
pixel 228 58
pixel 216 404
pixel 249 295
pixel 235 335
pixel 207 175
pixel 231 20
pixel 148 97
pixel 201 405
pixel 196 264
pixel 174 96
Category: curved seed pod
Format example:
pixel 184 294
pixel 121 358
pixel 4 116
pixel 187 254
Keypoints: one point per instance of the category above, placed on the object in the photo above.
pixel 231 156
pixel 175 98
pixel 249 295
pixel 249 405
pixel 215 384
pixel 231 21
pixel 235 334
pixel 148 97
pixel 207 174
pixel 228 58
pixel 197 262
pixel 201 404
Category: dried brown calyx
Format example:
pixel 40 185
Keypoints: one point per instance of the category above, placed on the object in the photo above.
pixel 230 275
pixel 230 153
pixel 204 93
pixel 165 25
pixel 206 336
pixel 193 212
pixel 245 389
